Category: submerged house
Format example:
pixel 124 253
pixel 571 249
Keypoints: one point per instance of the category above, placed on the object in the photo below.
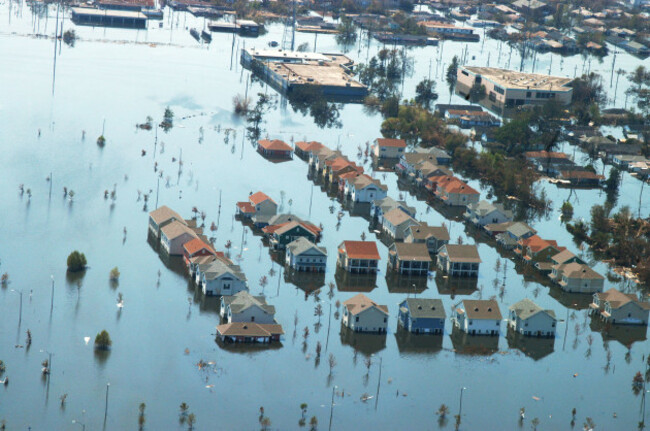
pixel 514 232
pixel 161 217
pixel 459 260
pixel 196 248
pixel 363 188
pixel 620 308
pixel 219 278
pixel 244 307
pixel 275 149
pixel 577 278
pixel 477 316
pixel 174 235
pixel 281 234
pixel 249 332
pixel 382 206
pixel 359 257
pixel 420 315
pixel 384 148
pixel 409 258
pixel 483 213
pixel 259 208
pixel 361 314
pixel 395 223
pixel 304 255
pixel 528 318
pixel 433 236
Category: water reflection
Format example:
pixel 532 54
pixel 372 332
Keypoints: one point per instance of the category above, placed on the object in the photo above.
pixel 574 301
pixel 466 344
pixel 402 283
pixel 248 348
pixel 366 343
pixel 455 285
pixel 421 344
pixel 308 282
pixel 533 347
pixel 348 282
pixel 624 334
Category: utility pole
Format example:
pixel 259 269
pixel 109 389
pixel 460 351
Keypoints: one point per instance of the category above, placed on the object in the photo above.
pixel 108 385
pixel 52 298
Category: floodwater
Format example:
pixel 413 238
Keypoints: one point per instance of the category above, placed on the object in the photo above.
pixel 113 79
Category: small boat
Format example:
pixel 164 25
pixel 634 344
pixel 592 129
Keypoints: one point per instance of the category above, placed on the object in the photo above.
pixel 273 44
pixel 195 34
pixel 206 36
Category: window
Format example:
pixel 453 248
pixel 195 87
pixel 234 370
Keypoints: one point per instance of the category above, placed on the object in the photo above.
pixel 528 94
pixel 252 318
pixel 464 72
pixel 499 90
pixel 356 319
pixel 384 320
pixel 470 322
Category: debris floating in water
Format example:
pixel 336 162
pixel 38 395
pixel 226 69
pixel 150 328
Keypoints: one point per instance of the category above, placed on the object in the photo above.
pixel 86 340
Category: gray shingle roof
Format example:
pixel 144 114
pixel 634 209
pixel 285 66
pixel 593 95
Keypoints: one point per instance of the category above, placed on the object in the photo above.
pixel 520 229
pixel 244 300
pixel 422 308
pixel 526 308
pixel 218 268
pixel 302 245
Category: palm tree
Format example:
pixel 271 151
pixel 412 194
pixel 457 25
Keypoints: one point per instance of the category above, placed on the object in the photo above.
pixel 183 415
pixel 303 409
pixel 141 418
pixel 191 420
pixel 313 423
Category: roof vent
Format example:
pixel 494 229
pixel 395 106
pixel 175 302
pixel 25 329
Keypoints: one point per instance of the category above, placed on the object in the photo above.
pixel 419 307
pixel 476 309
pixel 433 308
pixel 489 310
pixel 245 326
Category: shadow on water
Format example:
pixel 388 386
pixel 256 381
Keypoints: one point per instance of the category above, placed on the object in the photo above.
pixel 574 301
pixel 466 344
pixel 533 347
pixel 624 334
pixel 366 343
pixel 401 283
pixel 455 285
pixel 308 282
pixel 248 348
pixel 101 356
pixel 348 282
pixel 420 344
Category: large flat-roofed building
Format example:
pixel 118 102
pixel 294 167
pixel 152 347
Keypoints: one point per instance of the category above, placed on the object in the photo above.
pixel 108 18
pixel 506 89
pixel 287 70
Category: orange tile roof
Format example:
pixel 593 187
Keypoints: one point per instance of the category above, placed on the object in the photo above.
pixel 196 245
pixel 360 249
pixel 308 146
pixel 386 142
pixel 454 185
pixel 246 207
pixel 259 197
pixel 276 145
pixel 537 244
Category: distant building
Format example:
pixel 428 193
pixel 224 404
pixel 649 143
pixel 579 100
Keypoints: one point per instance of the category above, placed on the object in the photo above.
pixel 358 256
pixel 409 258
pixel 275 149
pixel 384 148
pixel 477 316
pixel 506 89
pixel 304 255
pixel 528 318
pixel 484 212
pixel 108 18
pixel 395 223
pixel 459 260
pixel 467 118
pixel 577 278
pixel 420 315
pixel 360 314
pixel 382 206
pixel 433 237
pixel 259 208
pixel 620 308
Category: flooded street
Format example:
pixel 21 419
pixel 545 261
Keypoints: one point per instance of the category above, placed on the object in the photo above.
pixel 111 80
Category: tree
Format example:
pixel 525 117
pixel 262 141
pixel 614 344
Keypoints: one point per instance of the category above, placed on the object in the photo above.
pixel 103 340
pixel 76 261
pixel 114 275
pixel 168 120
pixel 425 93
pixel 534 423
pixel 640 92
pixel 477 92
pixel 191 420
pixel 613 181
pixel 567 210
pixel 69 38
pixel 452 72
pixel 332 362
pixel 255 116
pixel 182 417
pixel 313 423
pixel 141 418
pixel 347 32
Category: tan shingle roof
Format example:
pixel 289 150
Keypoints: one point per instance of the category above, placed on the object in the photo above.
pixel 463 253
pixel 411 251
pixel 396 217
pixel 249 329
pixel 482 309
pixel 164 213
pixel 361 302
pixel 175 229
pixel 578 270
